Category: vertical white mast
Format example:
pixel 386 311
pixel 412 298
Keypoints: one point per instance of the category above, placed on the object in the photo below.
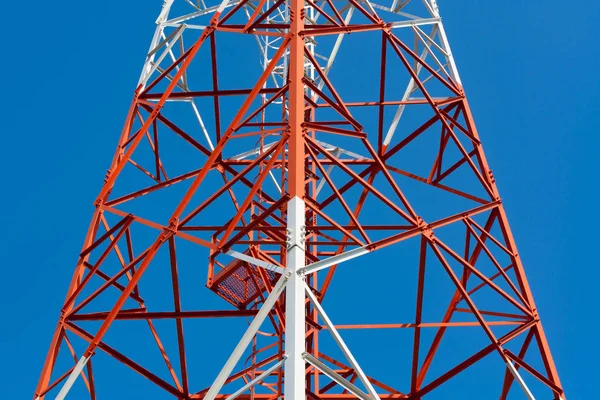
pixel 295 308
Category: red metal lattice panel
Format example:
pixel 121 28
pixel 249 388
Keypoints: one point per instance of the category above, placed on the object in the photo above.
pixel 240 283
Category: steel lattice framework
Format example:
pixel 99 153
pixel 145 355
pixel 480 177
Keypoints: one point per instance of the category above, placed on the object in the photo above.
pixel 248 151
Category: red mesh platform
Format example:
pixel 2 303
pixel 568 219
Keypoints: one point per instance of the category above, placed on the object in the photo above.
pixel 240 283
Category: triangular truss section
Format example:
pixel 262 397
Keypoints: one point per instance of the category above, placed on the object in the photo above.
pixel 278 153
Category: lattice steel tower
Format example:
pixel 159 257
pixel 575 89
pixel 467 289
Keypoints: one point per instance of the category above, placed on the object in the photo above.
pixel 252 170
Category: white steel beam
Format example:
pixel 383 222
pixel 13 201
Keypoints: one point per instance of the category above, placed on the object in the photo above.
pixel 336 153
pixel 247 338
pixel 275 182
pixel 252 152
pixel 430 51
pixel 446 46
pixel 341 344
pixel 150 59
pixel 409 90
pixel 328 262
pixel 430 8
pixel 334 51
pixel 332 148
pixel 164 41
pixel 444 42
pixel 72 378
pixel 415 22
pixel 295 306
pixel 156 64
pixel 430 39
pixel 337 378
pixel 255 261
pixel 201 122
pixel 520 380
pixel 197 27
pixel 256 380
pixel 164 13
pixel 200 13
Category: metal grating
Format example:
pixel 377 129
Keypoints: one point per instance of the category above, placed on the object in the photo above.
pixel 240 283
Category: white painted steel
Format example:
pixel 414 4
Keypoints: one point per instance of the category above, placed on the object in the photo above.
pixel 336 153
pixel 328 262
pixel 332 148
pixel 520 380
pixel 255 261
pixel 341 344
pixel 164 13
pixel 293 276
pixel 318 364
pixel 445 44
pixel 155 64
pixel 256 380
pixel 247 337
pixel 72 378
pixel 409 90
pixel 415 22
pixel 252 152
pixel 201 122
pixel 295 309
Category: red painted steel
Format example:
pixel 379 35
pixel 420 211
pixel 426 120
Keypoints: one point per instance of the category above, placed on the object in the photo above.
pixel 217 202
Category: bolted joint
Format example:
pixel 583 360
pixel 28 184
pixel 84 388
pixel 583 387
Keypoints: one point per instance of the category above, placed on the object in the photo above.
pixel 295 238
pixel 63 317
pixel 428 232
pixel 425 228
pixel 173 224
pixel 164 12
pixel 169 230
pixel 155 111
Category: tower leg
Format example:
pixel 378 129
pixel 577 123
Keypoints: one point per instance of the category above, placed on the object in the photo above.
pixel 295 327
pixel 295 307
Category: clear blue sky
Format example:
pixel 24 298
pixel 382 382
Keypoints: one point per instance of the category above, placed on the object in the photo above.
pixel 530 72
